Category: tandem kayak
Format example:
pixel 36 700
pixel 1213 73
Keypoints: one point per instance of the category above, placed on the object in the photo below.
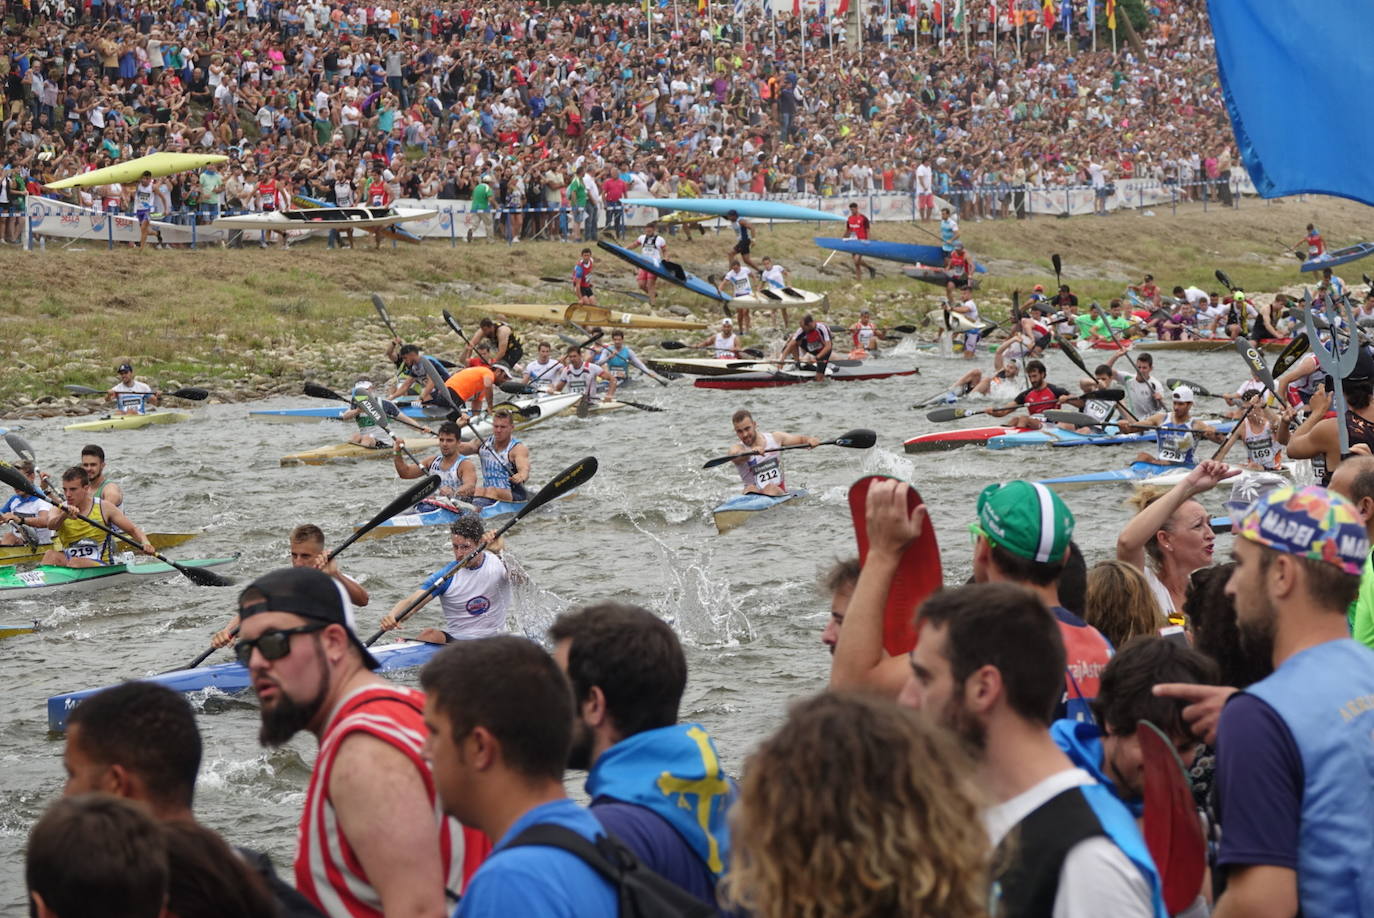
pixel 21 554
pixel 735 511
pixel 232 678
pixel 1136 471
pixel 670 271
pixel 1211 344
pixel 45 578
pixel 130 421
pixel 774 378
pixel 426 513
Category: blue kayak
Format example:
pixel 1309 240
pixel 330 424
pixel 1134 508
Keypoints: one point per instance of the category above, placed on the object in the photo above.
pixel 1339 256
pixel 736 510
pixel 670 271
pixel 905 252
pixel 328 413
pixel 719 207
pixel 1136 471
pixel 426 514
pixel 232 678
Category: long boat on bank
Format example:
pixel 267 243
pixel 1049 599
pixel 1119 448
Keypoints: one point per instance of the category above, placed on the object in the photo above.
pixel 233 678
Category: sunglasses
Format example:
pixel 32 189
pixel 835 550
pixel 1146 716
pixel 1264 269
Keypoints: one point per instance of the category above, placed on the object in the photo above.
pixel 273 645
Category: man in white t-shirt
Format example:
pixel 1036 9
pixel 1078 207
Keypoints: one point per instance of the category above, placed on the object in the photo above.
pixel 925 195
pixel 131 396
pixel 475 597
pixel 651 246
pixel 543 370
pixel 736 283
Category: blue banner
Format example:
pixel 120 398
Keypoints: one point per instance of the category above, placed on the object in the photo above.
pixel 1295 78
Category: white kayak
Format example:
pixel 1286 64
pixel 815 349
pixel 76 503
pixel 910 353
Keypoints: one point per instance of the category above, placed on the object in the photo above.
pixel 957 321
pixel 323 218
pixel 777 298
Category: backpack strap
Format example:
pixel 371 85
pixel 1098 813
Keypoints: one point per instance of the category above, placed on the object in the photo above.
pixel 641 892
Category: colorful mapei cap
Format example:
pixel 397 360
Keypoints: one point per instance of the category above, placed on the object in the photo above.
pixel 1027 519
pixel 1310 522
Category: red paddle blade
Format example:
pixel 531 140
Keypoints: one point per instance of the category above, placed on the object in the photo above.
pixel 1173 832
pixel 918 575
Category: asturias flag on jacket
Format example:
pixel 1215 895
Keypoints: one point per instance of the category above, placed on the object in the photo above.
pixel 1291 74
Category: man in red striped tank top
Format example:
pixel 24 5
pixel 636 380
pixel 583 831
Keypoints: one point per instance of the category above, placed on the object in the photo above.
pixel 373 840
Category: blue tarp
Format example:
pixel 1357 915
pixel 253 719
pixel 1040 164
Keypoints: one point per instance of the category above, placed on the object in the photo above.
pixel 1296 77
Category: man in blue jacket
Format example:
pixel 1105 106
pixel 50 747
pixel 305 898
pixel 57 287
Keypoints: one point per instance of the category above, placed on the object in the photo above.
pixel 655 784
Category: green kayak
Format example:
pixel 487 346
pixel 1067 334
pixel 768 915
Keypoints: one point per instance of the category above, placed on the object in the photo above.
pixel 45 578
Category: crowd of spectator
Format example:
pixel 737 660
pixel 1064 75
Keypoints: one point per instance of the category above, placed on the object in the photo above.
pixel 518 105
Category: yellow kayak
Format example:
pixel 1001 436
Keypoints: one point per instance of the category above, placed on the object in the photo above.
pixel 682 216
pixel 582 315
pixel 132 170
pixel 130 421
pixel 344 452
pixel 22 554
pixel 9 631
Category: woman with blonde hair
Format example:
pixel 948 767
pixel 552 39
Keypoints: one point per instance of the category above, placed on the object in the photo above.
pixel 857 808
pixel 1120 604
pixel 1171 534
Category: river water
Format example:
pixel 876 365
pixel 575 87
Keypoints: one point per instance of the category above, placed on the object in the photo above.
pixel 745 603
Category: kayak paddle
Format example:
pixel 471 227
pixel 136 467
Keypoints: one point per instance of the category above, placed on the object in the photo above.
pixel 918 575
pixel 679 346
pixel 1079 419
pixel 403 502
pixel 1225 281
pixel 1071 352
pixel 386 316
pixel 571 478
pixel 859 438
pixel 1058 268
pixel 1198 388
pixel 458 330
pixel 190 393
pixel 1172 830
pixel 951 414
pixel 1246 348
pixel 198 575
pixel 1292 352
pixel 21 447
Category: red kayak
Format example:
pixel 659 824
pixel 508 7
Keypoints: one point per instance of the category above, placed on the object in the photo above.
pixel 789 378
pixel 963 436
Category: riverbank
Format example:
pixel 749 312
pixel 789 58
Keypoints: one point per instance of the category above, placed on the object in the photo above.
pixel 248 323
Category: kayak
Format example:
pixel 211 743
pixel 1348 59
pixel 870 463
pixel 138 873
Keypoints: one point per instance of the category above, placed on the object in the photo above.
pixel 735 511
pixel 938 276
pixel 1339 256
pixel 1112 437
pixel 310 218
pixel 232 678
pixel 1178 473
pixel 719 207
pixel 346 452
pixel 1211 344
pixel 1103 346
pixel 22 554
pixel 705 366
pixel 17 584
pixel 680 217
pixel 670 271
pixel 131 421
pixel 426 514
pixel 777 298
pixel 970 436
pixel 1136 471
pixel 774 378
pixel 957 320
pixel 9 631
pixel 905 252
pixel 582 315
pixel 550 405
pixel 394 231
pixel 130 171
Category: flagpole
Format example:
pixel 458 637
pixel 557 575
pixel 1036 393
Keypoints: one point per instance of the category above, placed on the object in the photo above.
pixel 1016 25
pixel 994 29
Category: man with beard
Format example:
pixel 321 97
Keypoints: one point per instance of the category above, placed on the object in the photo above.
pixel 1293 750
pixel 1354 480
pixel 369 842
pixel 628 673
pixel 989 665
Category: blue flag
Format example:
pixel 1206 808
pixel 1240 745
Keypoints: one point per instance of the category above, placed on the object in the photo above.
pixel 1066 15
pixel 1291 74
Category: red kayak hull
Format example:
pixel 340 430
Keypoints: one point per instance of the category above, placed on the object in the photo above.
pixel 953 439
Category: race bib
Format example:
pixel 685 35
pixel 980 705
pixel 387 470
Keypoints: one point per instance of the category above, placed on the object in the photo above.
pixel 83 549
pixel 1176 449
pixel 865 337
pixel 767 472
pixel 1098 410
pixel 1261 451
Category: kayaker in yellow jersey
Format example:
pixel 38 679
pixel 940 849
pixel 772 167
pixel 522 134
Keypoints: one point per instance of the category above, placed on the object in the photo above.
pixel 759 465
pixel 76 543
pixel 307 550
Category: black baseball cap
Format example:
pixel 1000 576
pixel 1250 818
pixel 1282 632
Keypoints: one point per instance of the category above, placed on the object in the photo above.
pixel 124 368
pixel 308 593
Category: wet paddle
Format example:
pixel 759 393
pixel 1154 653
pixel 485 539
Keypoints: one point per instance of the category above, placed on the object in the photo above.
pixel 452 323
pixel 1199 389
pixel 1291 353
pixel 952 414
pixel 679 346
pixel 1246 348
pixel 21 447
pixel 571 478
pixel 859 438
pixel 386 316
pixel 1058 264
pixel 190 393
pixel 1172 830
pixel 403 502
pixel 198 575
pixel 1071 352
pixel 918 575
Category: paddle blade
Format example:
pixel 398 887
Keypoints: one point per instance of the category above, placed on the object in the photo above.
pixel 1076 418
pixel 317 391
pixel 403 502
pixel 1292 353
pixel 1072 353
pixel 673 345
pixel 944 414
pixel 21 447
pixel 752 352
pixel 1225 281
pixel 380 306
pixel 442 394
pixel 918 574
pixel 191 393
pixel 1198 388
pixel 1172 830
pixel 83 390
pixel 201 576
pixel 1058 264
pixel 453 324
pixel 1252 357
pixel 859 438
pixel 570 479
pixel 514 387
pixel 15 479
pixel 904 329
pixel 1108 395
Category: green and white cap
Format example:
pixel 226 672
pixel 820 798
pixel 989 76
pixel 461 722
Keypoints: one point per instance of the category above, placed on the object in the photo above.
pixel 1027 519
